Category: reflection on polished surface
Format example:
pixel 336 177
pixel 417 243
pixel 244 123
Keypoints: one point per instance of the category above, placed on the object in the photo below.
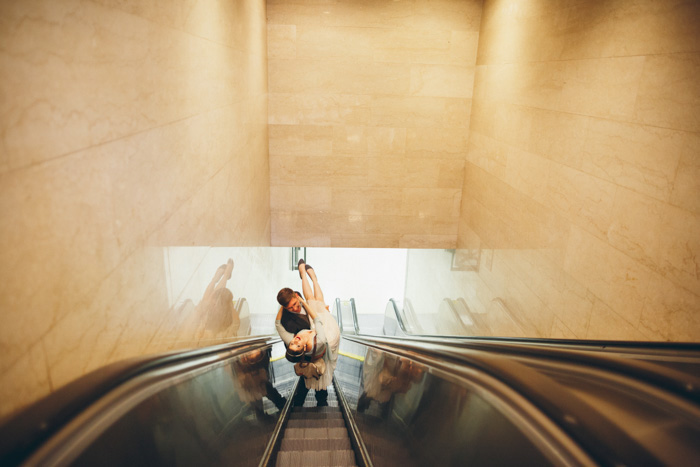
pixel 386 376
pixel 188 297
pixel 456 401
pixel 522 292
pixel 216 316
pixel 404 402
pixel 127 128
pixel 227 413
pixel 409 416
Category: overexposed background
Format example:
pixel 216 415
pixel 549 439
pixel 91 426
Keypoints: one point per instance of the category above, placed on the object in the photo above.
pixel 370 276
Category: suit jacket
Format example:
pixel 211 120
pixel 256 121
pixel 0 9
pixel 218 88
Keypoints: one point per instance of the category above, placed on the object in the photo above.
pixel 294 322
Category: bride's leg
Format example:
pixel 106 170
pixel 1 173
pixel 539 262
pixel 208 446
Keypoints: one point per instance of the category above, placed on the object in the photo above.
pixel 318 293
pixel 305 286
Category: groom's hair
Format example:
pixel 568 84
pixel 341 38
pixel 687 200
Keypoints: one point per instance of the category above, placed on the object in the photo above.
pixel 285 296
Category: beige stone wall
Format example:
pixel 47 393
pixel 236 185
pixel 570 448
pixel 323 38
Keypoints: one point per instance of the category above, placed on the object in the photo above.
pixel 126 127
pixel 369 106
pixel 581 192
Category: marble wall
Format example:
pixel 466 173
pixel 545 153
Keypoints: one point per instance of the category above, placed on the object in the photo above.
pixel 126 127
pixel 369 106
pixel 555 142
pixel 581 199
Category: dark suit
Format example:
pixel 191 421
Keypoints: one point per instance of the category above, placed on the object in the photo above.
pixel 294 322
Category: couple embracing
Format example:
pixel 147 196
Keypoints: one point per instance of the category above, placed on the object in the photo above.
pixel 311 335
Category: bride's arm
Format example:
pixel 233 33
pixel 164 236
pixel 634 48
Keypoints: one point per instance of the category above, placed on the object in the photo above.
pixel 318 323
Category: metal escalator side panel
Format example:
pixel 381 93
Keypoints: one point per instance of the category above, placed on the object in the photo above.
pixel 26 431
pixel 452 415
pixel 586 416
pixel 674 367
pixel 188 412
pixel 660 364
pixel 656 419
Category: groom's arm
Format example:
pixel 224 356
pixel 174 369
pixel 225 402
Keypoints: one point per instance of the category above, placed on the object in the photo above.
pixel 284 334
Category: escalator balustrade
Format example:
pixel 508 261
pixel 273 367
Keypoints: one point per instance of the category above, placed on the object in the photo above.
pixel 395 401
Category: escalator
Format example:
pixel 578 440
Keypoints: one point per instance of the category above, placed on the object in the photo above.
pixel 316 436
pixel 408 401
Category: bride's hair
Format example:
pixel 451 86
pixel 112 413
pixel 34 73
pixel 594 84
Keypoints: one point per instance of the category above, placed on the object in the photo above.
pixel 294 355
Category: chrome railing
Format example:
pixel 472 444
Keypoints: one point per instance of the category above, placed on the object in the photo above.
pixel 353 316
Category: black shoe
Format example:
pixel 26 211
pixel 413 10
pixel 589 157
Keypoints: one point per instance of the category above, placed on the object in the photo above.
pixel 298 402
pixel 363 403
pixel 321 398
pixel 280 403
pixel 301 261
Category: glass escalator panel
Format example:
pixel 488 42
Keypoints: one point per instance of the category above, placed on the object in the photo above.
pixel 411 415
pixel 220 414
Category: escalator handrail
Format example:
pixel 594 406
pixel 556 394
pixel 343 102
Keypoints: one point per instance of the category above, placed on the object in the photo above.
pixel 340 314
pixel 598 435
pixel 455 313
pixel 354 315
pixel 602 354
pixel 239 305
pixel 24 432
pixel 399 318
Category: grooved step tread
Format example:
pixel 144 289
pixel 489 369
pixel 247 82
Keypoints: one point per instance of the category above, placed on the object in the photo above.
pixel 316 423
pixel 315 415
pixel 316 458
pixel 330 444
pixel 316 410
pixel 315 433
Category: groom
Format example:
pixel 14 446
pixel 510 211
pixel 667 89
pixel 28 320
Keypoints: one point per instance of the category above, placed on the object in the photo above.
pixel 294 318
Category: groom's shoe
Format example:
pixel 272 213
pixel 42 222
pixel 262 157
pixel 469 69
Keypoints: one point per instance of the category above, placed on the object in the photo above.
pixel 300 396
pixel 321 398
pixel 298 401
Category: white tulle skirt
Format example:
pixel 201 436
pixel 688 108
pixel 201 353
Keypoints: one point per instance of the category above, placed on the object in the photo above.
pixel 330 326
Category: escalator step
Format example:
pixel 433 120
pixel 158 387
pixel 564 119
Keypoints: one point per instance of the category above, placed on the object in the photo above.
pixel 316 423
pixel 315 409
pixel 315 415
pixel 311 404
pixel 330 444
pixel 315 433
pixel 316 458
